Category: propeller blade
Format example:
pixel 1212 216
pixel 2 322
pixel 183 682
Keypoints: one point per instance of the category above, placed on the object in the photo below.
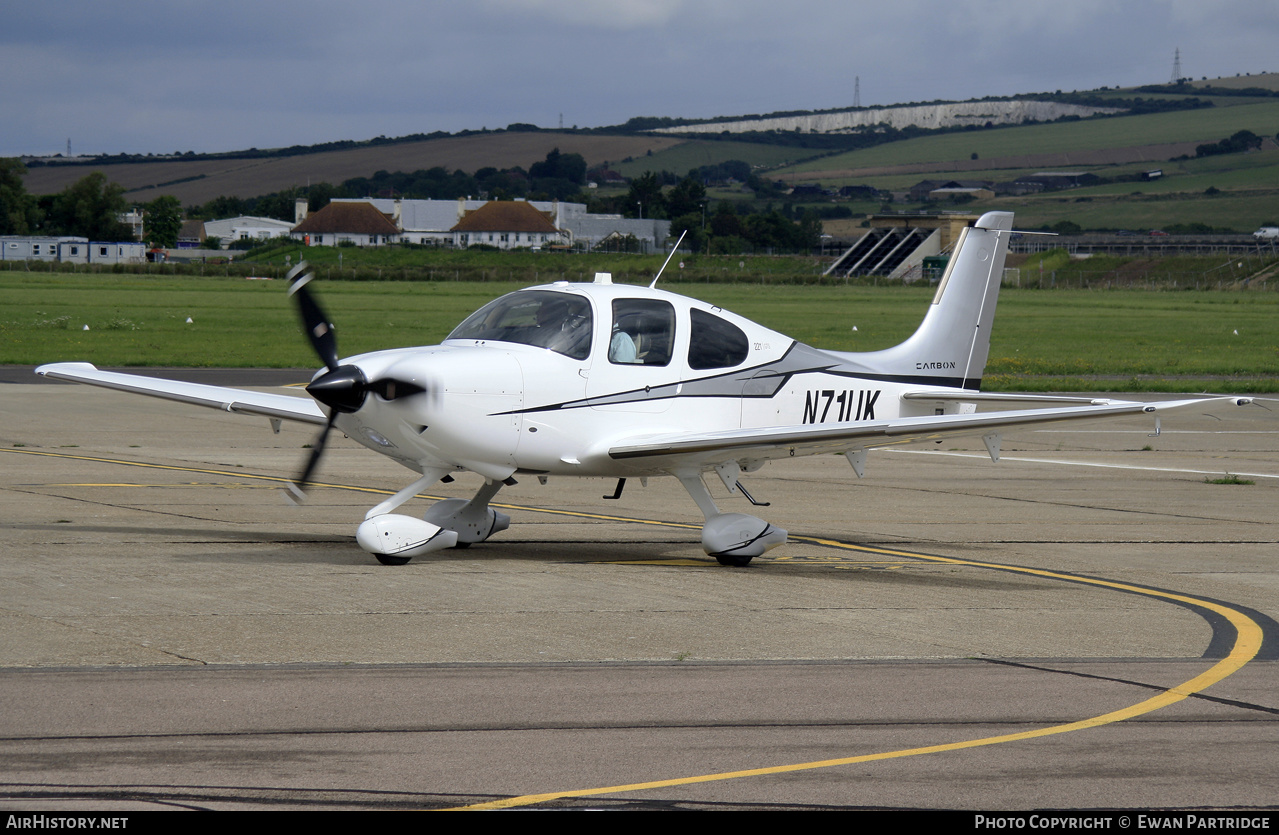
pixel 319 330
pixel 343 388
pixel 298 487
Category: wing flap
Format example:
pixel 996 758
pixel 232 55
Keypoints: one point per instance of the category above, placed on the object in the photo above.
pixel 952 396
pixel 787 441
pixel 281 406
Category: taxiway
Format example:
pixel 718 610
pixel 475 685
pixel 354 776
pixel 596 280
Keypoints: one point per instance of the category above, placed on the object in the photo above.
pixel 174 634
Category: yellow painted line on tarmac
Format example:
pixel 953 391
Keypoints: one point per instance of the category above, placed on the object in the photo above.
pixel 1247 645
pixel 1248 638
pixel 203 471
pixel 348 487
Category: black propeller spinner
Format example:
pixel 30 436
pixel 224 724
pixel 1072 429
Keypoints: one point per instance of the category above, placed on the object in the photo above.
pixel 343 388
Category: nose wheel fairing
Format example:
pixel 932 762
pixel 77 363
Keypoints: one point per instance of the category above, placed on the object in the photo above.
pixel 395 539
pixel 400 538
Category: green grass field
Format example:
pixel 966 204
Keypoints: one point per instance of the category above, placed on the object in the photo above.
pixel 1249 183
pixel 1266 81
pixel 1227 210
pixel 392 263
pixel 1248 186
pixel 1043 340
pixel 1233 171
pixel 693 153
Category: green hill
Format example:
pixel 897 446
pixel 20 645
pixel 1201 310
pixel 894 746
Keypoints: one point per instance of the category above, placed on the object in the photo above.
pixel 1238 191
pixel 198 180
pixel 1101 134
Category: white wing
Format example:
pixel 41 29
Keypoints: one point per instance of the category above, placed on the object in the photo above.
pixel 278 406
pixel 709 448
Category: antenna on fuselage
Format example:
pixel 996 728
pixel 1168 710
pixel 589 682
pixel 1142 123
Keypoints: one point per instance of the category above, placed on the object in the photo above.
pixel 668 259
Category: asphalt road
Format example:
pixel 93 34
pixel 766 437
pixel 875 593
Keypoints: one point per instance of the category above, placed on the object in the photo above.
pixel 1085 625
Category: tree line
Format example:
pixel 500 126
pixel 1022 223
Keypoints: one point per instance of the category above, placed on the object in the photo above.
pixel 89 208
pixel 92 206
pixel 558 177
pixel 723 228
pixel 663 195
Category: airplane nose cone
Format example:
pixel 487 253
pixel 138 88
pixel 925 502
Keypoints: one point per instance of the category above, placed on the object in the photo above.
pixel 343 389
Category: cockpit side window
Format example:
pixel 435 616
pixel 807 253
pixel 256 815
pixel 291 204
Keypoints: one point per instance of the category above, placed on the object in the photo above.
pixel 561 322
pixel 715 342
pixel 643 332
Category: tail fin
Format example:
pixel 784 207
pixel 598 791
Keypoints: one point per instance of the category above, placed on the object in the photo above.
pixel 952 343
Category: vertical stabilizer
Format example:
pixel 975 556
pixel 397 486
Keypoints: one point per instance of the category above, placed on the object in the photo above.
pixel 951 345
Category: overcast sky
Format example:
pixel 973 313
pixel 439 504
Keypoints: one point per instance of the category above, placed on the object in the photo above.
pixel 160 76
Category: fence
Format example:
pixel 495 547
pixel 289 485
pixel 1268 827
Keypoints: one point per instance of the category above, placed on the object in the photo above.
pixel 1235 275
pixel 1239 273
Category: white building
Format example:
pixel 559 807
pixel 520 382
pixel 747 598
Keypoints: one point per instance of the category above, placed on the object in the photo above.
pixel 592 229
pixel 117 252
pixel 432 222
pixel 68 249
pixel 421 221
pixel 246 228
pixel 135 219
pixel 355 222
pixel 33 247
pixel 506 224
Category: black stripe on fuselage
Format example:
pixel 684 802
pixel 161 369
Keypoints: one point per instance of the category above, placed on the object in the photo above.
pixel 798 359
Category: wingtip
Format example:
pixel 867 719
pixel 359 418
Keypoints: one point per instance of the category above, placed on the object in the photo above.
pixel 53 367
pixel 996 221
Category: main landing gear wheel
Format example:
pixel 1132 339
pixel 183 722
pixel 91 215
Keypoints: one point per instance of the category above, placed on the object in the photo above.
pixel 389 559
pixel 733 560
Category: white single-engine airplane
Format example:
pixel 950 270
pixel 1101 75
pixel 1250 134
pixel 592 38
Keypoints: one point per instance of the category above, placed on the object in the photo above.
pixel 607 380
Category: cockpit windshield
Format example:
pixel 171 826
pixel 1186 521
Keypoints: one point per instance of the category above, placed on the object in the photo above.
pixel 561 322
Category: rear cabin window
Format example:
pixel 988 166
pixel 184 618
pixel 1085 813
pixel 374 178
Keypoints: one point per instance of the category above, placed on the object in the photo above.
pixel 715 342
pixel 643 332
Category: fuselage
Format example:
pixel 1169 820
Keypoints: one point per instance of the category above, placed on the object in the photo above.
pixel 625 363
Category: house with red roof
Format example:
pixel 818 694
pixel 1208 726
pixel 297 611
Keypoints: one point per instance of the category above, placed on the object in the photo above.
pixel 358 223
pixel 506 224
